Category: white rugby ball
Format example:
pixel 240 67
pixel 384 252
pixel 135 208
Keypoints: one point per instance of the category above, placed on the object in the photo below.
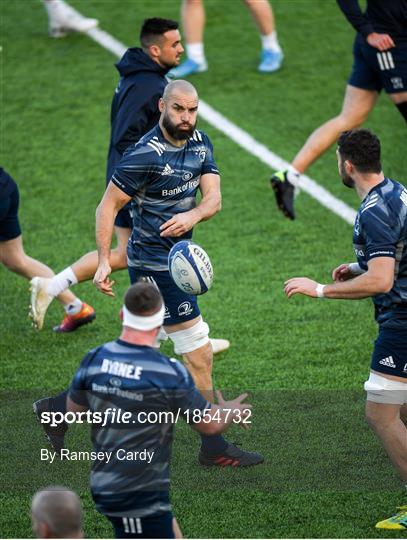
pixel 190 267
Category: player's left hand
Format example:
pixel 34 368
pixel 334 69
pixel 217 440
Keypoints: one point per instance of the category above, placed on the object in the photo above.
pixel 178 224
pixel 300 285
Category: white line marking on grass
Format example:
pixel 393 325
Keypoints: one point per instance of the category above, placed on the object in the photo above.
pixel 245 140
pixel 107 41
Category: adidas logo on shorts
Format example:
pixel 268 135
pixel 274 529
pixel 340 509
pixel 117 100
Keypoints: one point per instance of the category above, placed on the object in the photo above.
pixel 388 362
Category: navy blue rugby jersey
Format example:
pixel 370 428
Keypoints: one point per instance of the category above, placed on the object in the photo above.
pixel 381 231
pixel 163 181
pixel 138 380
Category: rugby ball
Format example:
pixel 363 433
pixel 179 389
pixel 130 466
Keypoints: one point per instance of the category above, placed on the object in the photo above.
pixel 190 267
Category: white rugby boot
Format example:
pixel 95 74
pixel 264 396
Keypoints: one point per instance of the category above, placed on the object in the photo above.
pixel 219 345
pixel 63 18
pixel 40 300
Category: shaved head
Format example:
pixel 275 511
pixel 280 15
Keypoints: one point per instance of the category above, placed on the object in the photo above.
pixel 179 88
pixel 56 513
pixel 179 109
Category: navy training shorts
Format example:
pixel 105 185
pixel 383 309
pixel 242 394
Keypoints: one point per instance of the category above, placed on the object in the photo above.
pixel 124 217
pixel 9 224
pixel 390 352
pixel 375 70
pixel 179 306
pixel 159 526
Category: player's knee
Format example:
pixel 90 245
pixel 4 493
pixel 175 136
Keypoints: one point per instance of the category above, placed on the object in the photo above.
pixel 378 417
pixel 370 416
pixel 15 263
pixel 191 339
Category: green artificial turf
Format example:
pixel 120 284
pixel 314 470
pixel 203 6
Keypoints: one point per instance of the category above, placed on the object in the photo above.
pixel 303 361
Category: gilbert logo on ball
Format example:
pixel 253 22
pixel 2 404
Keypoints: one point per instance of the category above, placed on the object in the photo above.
pixel 190 267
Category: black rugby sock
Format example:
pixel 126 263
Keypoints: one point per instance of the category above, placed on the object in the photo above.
pixel 402 107
pixel 213 445
pixel 58 403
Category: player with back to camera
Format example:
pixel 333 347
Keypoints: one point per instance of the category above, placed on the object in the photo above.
pixel 134 112
pixel 379 62
pixel 133 493
pixel 380 245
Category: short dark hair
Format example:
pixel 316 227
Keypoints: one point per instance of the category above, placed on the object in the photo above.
pixel 143 298
pixel 154 28
pixel 362 148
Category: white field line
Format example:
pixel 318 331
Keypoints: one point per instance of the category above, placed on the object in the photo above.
pixel 245 140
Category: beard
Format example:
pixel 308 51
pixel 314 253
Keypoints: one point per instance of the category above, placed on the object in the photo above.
pixel 175 131
pixel 346 179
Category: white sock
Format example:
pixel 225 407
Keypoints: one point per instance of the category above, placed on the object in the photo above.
pixel 62 281
pixel 51 5
pixel 270 42
pixel 293 175
pixel 195 51
pixel 74 307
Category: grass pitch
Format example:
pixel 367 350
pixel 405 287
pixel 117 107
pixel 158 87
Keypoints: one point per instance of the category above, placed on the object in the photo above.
pixel 304 361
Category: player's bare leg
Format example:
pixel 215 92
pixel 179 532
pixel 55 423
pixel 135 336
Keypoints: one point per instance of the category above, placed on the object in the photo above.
pixel 193 23
pixel 262 15
pixel 199 361
pixel 356 107
pixel 85 267
pixel 272 55
pixel 386 422
pixel 46 288
pixel 13 256
pixel 215 450
pixel 403 413
pixel 177 529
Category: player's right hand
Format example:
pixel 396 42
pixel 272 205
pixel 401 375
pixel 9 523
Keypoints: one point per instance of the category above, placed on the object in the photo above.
pixel 342 273
pixel 102 281
pixel 236 405
pixel 382 42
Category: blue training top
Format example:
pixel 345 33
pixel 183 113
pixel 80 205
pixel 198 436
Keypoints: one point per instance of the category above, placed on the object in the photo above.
pixel 381 231
pixel 163 180
pixel 139 380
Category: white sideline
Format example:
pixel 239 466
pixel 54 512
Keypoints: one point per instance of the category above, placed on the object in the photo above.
pixel 243 139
